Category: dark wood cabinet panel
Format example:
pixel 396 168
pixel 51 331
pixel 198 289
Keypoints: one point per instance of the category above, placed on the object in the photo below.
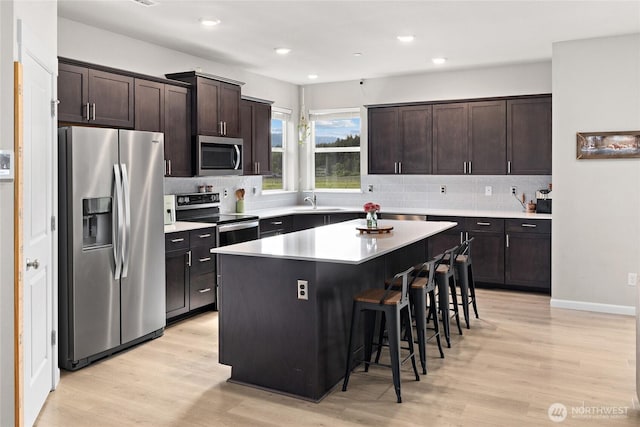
pixel 177 282
pixel 415 126
pixel 73 93
pixel 202 261
pixel 487 250
pixel 149 106
pixel 306 221
pixel 383 140
pixel 276 225
pixel 230 109
pixel 202 290
pixel 207 118
pixel 450 138
pixel 528 260
pixel 529 136
pixel 442 241
pixel 111 99
pixel 487 138
pixel 255 130
pixel 177 132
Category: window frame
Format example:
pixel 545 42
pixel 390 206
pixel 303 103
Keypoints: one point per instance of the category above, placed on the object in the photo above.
pixel 284 115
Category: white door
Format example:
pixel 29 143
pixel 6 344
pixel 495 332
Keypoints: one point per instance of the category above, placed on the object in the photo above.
pixel 38 239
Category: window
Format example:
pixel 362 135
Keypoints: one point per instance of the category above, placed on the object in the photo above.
pixel 336 148
pixel 279 125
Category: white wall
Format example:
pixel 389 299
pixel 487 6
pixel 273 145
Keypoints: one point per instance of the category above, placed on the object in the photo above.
pixel 40 17
pixel 97 46
pixel 596 220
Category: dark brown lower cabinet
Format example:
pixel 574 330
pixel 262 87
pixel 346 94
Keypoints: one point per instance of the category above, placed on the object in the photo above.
pixel 528 254
pixel 177 281
pixel 487 251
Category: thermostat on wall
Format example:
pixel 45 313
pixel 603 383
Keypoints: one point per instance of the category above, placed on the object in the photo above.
pixel 6 165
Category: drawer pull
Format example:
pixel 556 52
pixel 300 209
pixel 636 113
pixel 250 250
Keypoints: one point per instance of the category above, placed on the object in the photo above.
pixel 202 291
pixel 276 222
pixel 485 224
pixel 205 259
pixel 529 225
pixel 204 236
pixel 177 240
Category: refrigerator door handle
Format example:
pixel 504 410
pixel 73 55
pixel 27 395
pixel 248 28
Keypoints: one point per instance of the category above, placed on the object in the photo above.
pixel 116 221
pixel 126 246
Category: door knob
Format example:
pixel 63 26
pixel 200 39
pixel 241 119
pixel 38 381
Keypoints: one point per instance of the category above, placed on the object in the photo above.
pixel 35 264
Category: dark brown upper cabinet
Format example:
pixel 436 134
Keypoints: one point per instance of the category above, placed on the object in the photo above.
pixel 177 131
pixel 529 136
pixel 149 106
pixel 399 140
pixel 215 104
pixel 450 138
pixel 487 138
pixel 255 121
pixel 96 97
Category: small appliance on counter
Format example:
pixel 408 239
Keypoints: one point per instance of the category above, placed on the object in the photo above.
pixel 543 204
pixel 169 209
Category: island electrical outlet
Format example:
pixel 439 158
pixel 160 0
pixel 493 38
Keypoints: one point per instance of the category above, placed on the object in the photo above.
pixel 303 289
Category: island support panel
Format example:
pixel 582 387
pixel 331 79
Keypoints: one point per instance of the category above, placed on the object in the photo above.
pixel 275 341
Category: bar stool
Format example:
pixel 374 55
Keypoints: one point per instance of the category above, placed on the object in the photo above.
pixel 394 306
pixel 464 272
pixel 446 281
pixel 423 303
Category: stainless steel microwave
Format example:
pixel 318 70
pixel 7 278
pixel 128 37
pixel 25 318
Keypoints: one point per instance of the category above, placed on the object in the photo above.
pixel 218 155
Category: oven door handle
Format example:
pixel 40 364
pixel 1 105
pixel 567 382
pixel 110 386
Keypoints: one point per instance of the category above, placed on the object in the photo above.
pixel 238 226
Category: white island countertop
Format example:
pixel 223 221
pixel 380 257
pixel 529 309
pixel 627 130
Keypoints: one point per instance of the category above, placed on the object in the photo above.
pixel 338 243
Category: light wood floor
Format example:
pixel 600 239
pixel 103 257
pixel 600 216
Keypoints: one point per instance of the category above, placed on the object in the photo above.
pixel 516 360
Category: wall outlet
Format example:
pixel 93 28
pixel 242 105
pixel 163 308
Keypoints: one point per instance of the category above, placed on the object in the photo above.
pixel 303 289
pixel 514 190
pixel 488 191
pixel 370 188
pixel 632 279
pixel 225 193
pixel 443 189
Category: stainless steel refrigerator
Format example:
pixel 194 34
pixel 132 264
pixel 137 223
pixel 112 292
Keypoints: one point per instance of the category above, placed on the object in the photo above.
pixel 111 238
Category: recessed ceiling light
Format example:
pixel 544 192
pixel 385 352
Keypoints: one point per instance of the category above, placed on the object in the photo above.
pixel 406 39
pixel 438 61
pixel 357 54
pixel 282 50
pixel 147 3
pixel 312 76
pixel 208 22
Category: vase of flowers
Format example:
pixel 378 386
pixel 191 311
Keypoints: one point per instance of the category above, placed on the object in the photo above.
pixel 372 214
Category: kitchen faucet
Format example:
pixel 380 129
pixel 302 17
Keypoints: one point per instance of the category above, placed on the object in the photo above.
pixel 312 199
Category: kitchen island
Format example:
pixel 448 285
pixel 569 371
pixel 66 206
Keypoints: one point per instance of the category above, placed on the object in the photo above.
pixel 276 339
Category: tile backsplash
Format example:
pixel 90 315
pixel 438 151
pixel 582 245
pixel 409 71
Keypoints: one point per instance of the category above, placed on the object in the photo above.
pixel 397 191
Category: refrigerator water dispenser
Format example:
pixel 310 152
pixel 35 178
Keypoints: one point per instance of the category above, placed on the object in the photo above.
pixel 96 222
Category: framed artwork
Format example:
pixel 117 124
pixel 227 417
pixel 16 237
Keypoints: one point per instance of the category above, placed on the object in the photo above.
pixel 6 165
pixel 608 145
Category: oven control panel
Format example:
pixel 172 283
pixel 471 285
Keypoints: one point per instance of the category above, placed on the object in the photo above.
pixel 196 200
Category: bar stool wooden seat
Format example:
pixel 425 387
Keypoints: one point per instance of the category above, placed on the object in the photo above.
pixel 394 306
pixel 423 303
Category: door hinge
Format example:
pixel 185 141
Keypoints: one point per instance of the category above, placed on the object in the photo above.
pixel 54 338
pixel 53 223
pixel 54 106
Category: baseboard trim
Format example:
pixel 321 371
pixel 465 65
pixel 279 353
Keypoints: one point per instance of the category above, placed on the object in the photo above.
pixel 627 310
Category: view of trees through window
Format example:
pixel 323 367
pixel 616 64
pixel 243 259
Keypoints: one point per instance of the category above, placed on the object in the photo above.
pixel 337 152
pixel 278 131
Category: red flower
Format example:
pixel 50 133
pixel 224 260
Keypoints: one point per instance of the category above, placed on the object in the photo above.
pixel 371 207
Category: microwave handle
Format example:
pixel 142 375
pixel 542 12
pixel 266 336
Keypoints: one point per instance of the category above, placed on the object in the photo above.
pixel 237 165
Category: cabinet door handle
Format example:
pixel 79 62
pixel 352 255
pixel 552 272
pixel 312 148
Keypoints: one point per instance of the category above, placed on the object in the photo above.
pixel 204 236
pixel 465 168
pixel 170 170
pixel 276 222
pixel 507 240
pixel 470 167
pixel 202 291
pixel 400 168
pixel 93 114
pixel 509 166
pixel 484 224
pixel 177 240
pixel 466 235
pixel 88 112
pixel 189 258
pixel 225 128
pixel 166 167
pixel 461 237
pixel 395 167
pixel 529 225
pixel 205 259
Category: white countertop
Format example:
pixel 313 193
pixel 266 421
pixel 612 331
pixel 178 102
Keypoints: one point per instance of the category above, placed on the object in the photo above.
pixel 339 243
pixel 306 209
pixel 186 226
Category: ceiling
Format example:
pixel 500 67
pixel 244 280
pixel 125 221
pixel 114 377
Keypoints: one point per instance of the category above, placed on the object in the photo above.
pixel 324 35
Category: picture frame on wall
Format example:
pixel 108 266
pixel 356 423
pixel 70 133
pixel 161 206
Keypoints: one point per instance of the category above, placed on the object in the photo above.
pixel 608 145
pixel 6 165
